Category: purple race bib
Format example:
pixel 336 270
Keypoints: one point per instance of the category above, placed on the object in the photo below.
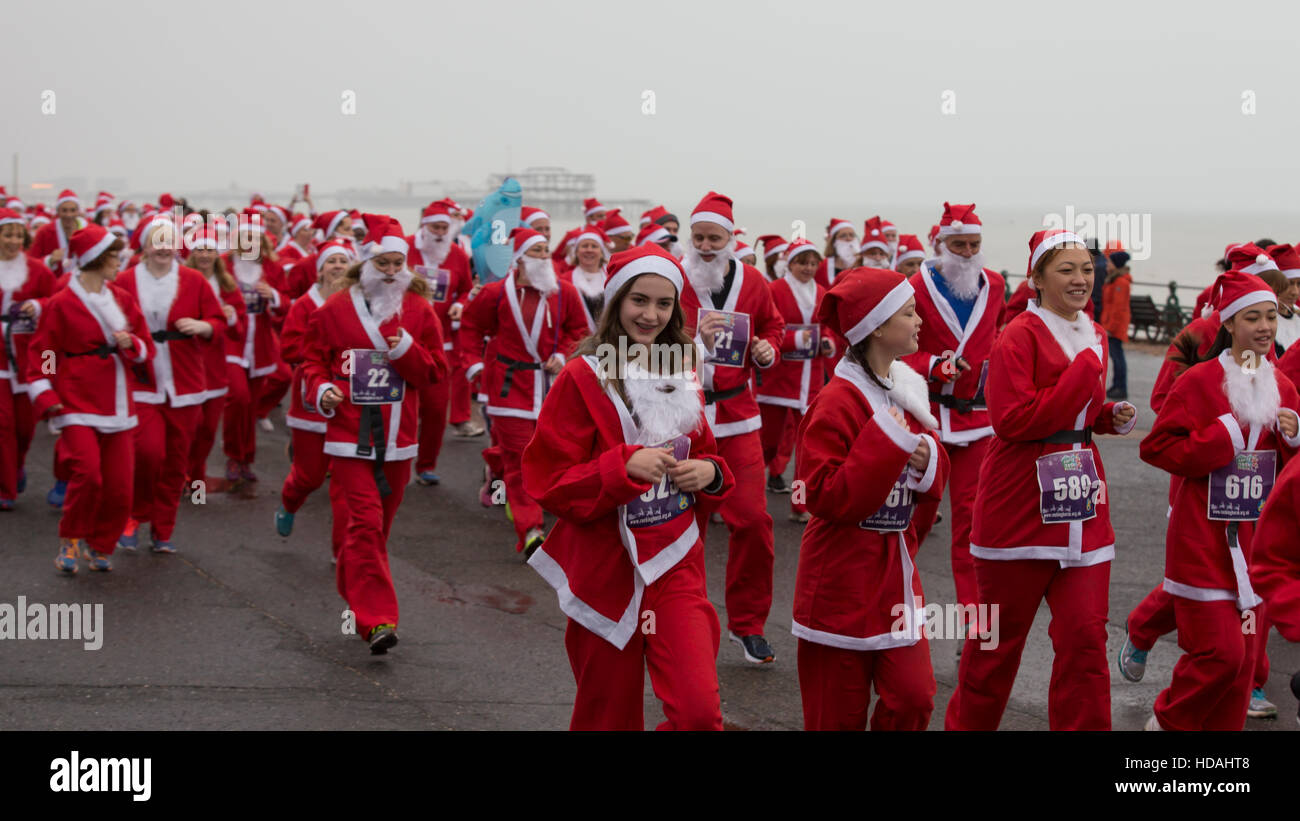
pixel 1239 489
pixel 438 279
pixel 253 301
pixel 896 513
pixel 663 502
pixel 19 322
pixel 732 342
pixel 803 333
pixel 1068 486
pixel 374 379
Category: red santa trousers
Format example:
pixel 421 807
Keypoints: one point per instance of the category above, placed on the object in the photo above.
pixel 363 578
pixel 238 433
pixel 433 424
pixel 1079 694
pixel 1262 625
pixel 17 422
pixel 274 386
pixel 162 455
pixel 676 637
pixel 460 390
pixel 204 437
pixel 835 685
pixel 1210 689
pixel 99 469
pixel 750 550
pixel 1152 618
pixel 510 435
pixel 777 437
pixel 306 475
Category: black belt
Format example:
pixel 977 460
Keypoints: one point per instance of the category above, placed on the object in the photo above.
pixel 168 336
pixel 103 352
pixel 713 397
pixel 513 365
pixel 962 406
pixel 371 432
pixel 1069 437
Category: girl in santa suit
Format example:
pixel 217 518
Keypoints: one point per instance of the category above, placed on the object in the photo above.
pixel 867 450
pixel 182 313
pixel 96 333
pixel 1226 425
pixel 298 244
pixel 841 251
pixel 1041 527
pixel 254 361
pixel 308 428
pixel 205 257
pixel 23 281
pixel 518 331
pixel 370 349
pixel 790 386
pixel 588 272
pixel 624 457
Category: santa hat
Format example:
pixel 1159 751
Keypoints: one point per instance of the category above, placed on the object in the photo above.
pixel 146 226
pixel 959 219
pixel 742 250
pixel 250 221
pixel 525 238
pixel 88 243
pixel 714 208
pixel 125 204
pixel 38 219
pixel 653 234
pixel 279 212
pixel 1042 242
pixel 358 221
pixel 209 238
pixel 256 199
pixel 14 203
pixel 102 203
pixel 440 211
pixel 300 222
pixel 658 215
pixel 591 232
pixel 933 236
pixel 615 225
pixel 528 215
pixel 909 247
pixel 1240 290
pixel 8 216
pixel 384 235
pixel 328 222
pixel 886 226
pixel 116 226
pixel 591 206
pixel 1287 259
pixel 638 260
pixel 329 249
pixel 773 244
pixel 861 300
pixel 836 225
pixel 565 243
pixel 797 247
pixel 67 195
pixel 1228 250
pixel 873 235
pixel 1249 258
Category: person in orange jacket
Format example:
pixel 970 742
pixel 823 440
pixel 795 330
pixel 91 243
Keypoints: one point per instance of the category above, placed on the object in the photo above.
pixel 1115 318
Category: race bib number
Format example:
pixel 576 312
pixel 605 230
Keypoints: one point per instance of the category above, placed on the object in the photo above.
pixel 253 301
pixel 896 513
pixel 438 278
pixel 663 502
pixel 374 379
pixel 1239 489
pixel 731 344
pixel 1068 486
pixel 806 340
pixel 19 322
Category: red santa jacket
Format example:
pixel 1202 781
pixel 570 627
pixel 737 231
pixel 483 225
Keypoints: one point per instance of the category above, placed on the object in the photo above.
pixel 87 374
pixel 214 349
pixel 259 349
pixel 592 318
pixel 942 333
pixel 1275 548
pixel 522 339
pixel 857 586
pixel 1289 364
pixel 576 467
pixel 290 254
pixel 48 239
pixel 456 292
pixel 343 325
pixel 37 285
pixel 1036 389
pixel 177 373
pixel 302 413
pixel 749 294
pixel 791 382
pixel 827 270
pixel 1196 434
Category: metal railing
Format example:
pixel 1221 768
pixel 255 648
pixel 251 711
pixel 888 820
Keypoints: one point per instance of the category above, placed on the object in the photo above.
pixel 1173 314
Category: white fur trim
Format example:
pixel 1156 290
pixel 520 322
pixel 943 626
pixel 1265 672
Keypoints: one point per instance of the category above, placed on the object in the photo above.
pixel 887 307
pixel 649 264
pixel 402 346
pixel 709 216
pixel 1242 302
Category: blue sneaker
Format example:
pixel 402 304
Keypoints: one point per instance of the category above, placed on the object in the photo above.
pixel 57 494
pixel 130 538
pixel 427 478
pixel 6 505
pixel 164 546
pixel 1132 662
pixel 283 522
pixel 69 552
pixel 96 560
pixel 1260 706
pixel 22 480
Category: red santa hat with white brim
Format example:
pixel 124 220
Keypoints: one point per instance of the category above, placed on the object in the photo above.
pixel 1043 241
pixel 836 225
pixel 1249 258
pixel 67 195
pixel 438 211
pixel 1241 290
pixel 384 235
pixel 591 232
pixel 8 216
pixel 329 222
pixel 909 247
pixel 525 238
pixel 329 249
pixel 715 208
pixel 1287 259
pixel 615 225
pixel 873 236
pixel 88 243
pixel 653 234
pixel 300 222
pixel 773 244
pixel 861 300
pixel 959 219
pixel 798 247
pixel 206 239
pixel 592 206
pixel 528 215
pixel 642 259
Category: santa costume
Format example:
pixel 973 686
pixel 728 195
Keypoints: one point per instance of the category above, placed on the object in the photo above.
pixel 626 557
pixel 1041 526
pixel 841 251
pixel 590 282
pixel 858 602
pixel 53 236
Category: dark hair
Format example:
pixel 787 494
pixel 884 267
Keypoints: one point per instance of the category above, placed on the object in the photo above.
pixel 1264 243
pixel 27 235
pixel 857 353
pixel 1222 342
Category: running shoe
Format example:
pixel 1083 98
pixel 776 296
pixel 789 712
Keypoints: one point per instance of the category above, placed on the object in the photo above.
pixel 1260 706
pixel 466 430
pixel 510 517
pixel 163 546
pixel 283 522
pixel 265 424
pixel 246 473
pixel 381 638
pixel 57 493
pixel 69 552
pixel 533 541
pixel 232 472
pixel 130 538
pixel 94 559
pixel 6 505
pixel 776 484
pixel 426 478
pixel 1153 724
pixel 757 650
pixel 1132 662
pixel 485 492
pixel 1295 691
pixel 800 518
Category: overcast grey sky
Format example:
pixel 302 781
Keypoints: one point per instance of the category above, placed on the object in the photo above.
pixel 1120 105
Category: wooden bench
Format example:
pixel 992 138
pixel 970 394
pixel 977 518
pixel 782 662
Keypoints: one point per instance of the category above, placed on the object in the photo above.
pixel 1145 316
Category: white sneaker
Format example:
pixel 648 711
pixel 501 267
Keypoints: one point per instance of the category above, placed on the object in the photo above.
pixel 265 424
pixel 1153 724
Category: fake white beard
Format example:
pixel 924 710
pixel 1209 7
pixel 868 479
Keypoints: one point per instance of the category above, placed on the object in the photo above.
pixel 665 406
pixel 846 253
pixel 13 273
pixel 130 219
pixel 805 293
pixel 157 295
pixel 675 248
pixel 385 299
pixel 1254 396
pixel 708 275
pixel 247 271
pixel 433 248
pixel 104 306
pixel 961 274
pixel 540 274
pixel 589 284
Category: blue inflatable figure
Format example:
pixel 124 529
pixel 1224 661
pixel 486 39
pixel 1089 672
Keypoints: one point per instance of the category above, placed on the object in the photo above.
pixel 489 230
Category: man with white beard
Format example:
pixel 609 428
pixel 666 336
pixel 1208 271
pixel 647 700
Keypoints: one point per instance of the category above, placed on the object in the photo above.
pixel 720 283
pixel 961 305
pixel 435 256
pixel 841 251
pixel 518 331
